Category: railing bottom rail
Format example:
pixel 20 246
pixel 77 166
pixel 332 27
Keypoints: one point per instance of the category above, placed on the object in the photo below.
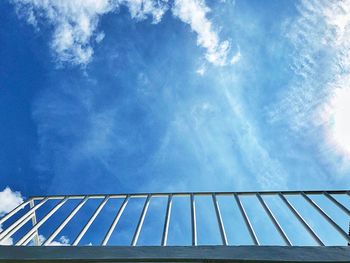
pixel 175 254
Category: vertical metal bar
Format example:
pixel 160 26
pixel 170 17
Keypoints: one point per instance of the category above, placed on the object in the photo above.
pixel 115 221
pixel 349 234
pixel 335 201
pixel 14 211
pixel 32 238
pixel 21 221
pixel 26 238
pixel 140 223
pixel 274 220
pixel 246 220
pixel 65 222
pixel 167 220
pixel 91 220
pixel 36 236
pixel 193 220
pixel 219 219
pixel 301 220
pixel 325 216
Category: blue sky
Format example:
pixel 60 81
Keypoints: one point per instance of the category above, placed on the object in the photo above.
pixel 118 96
pixel 150 109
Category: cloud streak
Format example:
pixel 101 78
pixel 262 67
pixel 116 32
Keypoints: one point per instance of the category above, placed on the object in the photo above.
pixel 194 13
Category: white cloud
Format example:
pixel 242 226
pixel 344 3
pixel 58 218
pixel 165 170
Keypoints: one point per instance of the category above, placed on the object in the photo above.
pixel 236 58
pixel 201 70
pixel 63 241
pixel 8 201
pixel 100 37
pixel 335 117
pixel 193 12
pixel 140 9
pixel 317 97
pixel 75 24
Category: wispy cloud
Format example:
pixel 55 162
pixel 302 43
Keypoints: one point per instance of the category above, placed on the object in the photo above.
pixel 194 13
pixel 320 37
pixel 141 9
pixel 75 24
pixel 8 200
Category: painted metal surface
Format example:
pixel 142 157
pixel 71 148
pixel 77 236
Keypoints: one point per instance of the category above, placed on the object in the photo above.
pixel 104 254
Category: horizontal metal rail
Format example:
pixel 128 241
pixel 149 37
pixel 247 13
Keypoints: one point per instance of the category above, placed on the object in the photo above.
pixel 250 217
pixel 165 194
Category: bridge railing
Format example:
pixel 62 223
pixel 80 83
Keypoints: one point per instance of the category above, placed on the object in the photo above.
pixel 26 214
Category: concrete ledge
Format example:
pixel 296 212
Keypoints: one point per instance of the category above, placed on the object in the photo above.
pixel 11 254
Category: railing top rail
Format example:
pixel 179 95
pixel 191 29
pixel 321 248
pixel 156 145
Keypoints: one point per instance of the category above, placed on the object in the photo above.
pixel 199 193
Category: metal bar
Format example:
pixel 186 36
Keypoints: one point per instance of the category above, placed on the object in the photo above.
pixel 91 220
pixel 274 220
pixel 36 236
pixel 219 219
pixel 31 238
pixel 193 220
pixel 115 221
pixel 301 220
pixel 329 220
pixel 21 221
pixel 14 211
pixel 165 194
pixel 167 220
pixel 204 254
pixel 26 238
pixel 140 223
pixel 65 222
pixel 18 226
pixel 335 201
pixel 246 220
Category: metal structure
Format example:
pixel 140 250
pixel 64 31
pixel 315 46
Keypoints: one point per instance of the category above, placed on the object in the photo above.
pixel 33 204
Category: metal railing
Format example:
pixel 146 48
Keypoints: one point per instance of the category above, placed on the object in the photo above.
pixel 20 217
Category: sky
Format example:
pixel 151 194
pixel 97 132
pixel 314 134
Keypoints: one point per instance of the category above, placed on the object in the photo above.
pixel 116 96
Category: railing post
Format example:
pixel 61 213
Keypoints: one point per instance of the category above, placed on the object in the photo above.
pixel 167 220
pixel 91 220
pixel 325 216
pixel 247 221
pixel 21 221
pixel 26 238
pixel 274 220
pixel 115 221
pixel 65 222
pixel 34 221
pixel 219 219
pixel 193 220
pixel 301 220
pixel 140 223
